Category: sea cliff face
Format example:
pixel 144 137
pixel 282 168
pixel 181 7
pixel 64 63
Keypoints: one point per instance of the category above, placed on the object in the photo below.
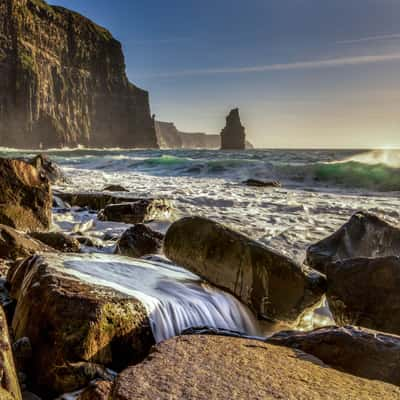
pixel 63 82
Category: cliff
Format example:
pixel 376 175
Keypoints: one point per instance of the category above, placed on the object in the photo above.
pixel 233 136
pixel 63 82
pixel 169 137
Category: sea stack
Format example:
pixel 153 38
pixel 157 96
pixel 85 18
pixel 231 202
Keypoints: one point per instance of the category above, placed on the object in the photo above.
pixel 63 82
pixel 233 136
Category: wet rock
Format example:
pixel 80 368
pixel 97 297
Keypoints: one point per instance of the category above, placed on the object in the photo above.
pixel 259 183
pixel 137 212
pixel 58 240
pixel 25 196
pixel 275 287
pixel 77 328
pixel 87 241
pixel 14 244
pixel 100 390
pixel 365 292
pixel 22 350
pixel 9 385
pixel 364 235
pixel 138 241
pixel 48 169
pixel 30 396
pixel 233 136
pixel 364 353
pixel 115 188
pixel 214 367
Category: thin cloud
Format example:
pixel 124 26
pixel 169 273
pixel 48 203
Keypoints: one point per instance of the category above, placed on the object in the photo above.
pixel 370 38
pixel 313 64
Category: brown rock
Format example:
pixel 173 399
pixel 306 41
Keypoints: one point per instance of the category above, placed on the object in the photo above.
pixel 137 212
pixel 364 235
pixel 99 390
pixel 233 136
pixel 58 240
pixel 275 287
pixel 25 196
pixel 48 169
pixel 367 354
pixel 259 183
pixel 139 241
pixel 115 188
pixel 213 367
pixel 75 329
pixel 365 292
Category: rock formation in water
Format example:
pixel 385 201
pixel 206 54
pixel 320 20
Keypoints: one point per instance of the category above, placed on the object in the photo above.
pixel 169 137
pixel 63 82
pixel 233 136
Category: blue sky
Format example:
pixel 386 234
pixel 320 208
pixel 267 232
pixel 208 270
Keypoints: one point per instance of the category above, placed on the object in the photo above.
pixel 305 73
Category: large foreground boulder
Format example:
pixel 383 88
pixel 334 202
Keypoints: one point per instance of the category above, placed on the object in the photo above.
pixel 364 353
pixel 365 292
pixel 25 196
pixel 275 287
pixel 364 235
pixel 213 367
pixel 139 241
pixel 75 329
pixel 9 385
pixel 136 212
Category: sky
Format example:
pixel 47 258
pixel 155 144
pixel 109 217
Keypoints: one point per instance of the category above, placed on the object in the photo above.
pixel 304 73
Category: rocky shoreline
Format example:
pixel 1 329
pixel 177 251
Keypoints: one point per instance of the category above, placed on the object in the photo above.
pixel 77 321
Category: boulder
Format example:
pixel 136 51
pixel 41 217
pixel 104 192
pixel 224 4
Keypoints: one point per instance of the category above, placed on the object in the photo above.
pixel 25 196
pixel 48 169
pixel 233 136
pixel 364 353
pixel 14 244
pixel 137 212
pixel 272 285
pixel 58 240
pixel 214 367
pixel 75 328
pixel 98 390
pixel 364 235
pixel 365 292
pixel 259 183
pixel 9 385
pixel 115 188
pixel 138 241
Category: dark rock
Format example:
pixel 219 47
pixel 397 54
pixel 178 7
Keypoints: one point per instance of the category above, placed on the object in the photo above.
pixel 30 396
pixel 99 390
pixel 64 82
pixel 275 287
pixel 367 354
pixel 139 241
pixel 365 292
pixel 258 183
pixel 75 328
pixel 14 244
pixel 215 367
pixel 22 350
pixel 25 196
pixel 48 169
pixel 87 241
pixel 137 212
pixel 233 136
pixel 115 188
pixel 58 240
pixel 364 235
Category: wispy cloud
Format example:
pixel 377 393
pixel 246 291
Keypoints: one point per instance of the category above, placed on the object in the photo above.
pixel 370 38
pixel 312 64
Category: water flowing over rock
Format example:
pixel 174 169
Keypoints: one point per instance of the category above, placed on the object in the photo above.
pixel 64 82
pixel 214 367
pixel 361 352
pixel 364 235
pixel 25 196
pixel 275 287
pixel 233 136
pixel 365 292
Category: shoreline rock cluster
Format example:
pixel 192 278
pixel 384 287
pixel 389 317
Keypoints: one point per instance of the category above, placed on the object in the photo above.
pixel 67 334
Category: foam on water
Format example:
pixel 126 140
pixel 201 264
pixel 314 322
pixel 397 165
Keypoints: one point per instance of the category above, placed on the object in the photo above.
pixel 175 299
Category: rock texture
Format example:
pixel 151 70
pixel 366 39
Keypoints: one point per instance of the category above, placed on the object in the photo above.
pixel 365 292
pixel 64 82
pixel 211 367
pixel 75 329
pixel 25 196
pixel 275 287
pixel 48 169
pixel 58 240
pixel 364 353
pixel 364 235
pixel 233 136
pixel 99 390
